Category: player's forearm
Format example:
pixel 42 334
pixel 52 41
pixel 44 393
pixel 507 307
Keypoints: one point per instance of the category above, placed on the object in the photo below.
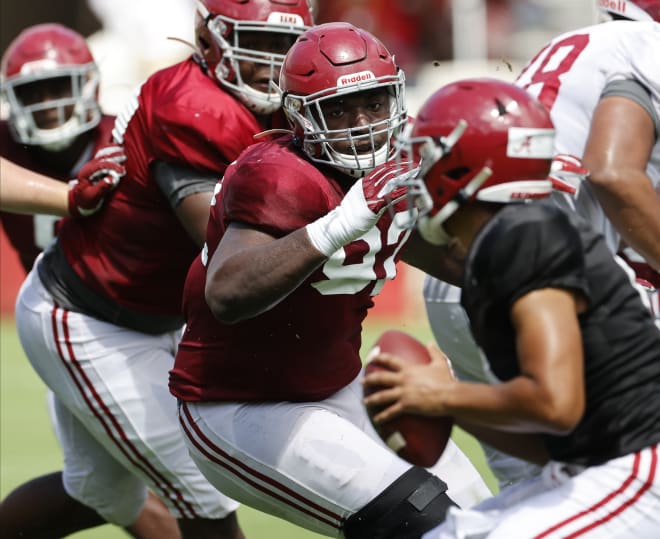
pixel 193 212
pixel 518 405
pixel 24 191
pixel 523 445
pixel 254 280
pixel 633 207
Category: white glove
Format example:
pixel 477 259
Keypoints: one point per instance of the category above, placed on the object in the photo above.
pixel 360 208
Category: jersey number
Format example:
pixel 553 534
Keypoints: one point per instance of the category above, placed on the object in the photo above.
pixel 345 278
pixel 557 59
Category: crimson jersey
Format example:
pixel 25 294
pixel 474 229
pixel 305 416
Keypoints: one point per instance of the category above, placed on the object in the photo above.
pixel 307 346
pixel 134 255
pixel 30 234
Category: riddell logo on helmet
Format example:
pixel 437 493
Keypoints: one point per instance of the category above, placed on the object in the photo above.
pixel 615 5
pixel 277 17
pixel 355 78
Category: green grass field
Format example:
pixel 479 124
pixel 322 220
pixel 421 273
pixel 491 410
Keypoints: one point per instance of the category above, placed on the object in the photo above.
pixel 28 448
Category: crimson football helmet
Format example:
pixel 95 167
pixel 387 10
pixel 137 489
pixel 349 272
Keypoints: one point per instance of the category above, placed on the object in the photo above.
pixel 219 26
pixel 54 67
pixel 476 139
pixel 331 60
pixel 634 10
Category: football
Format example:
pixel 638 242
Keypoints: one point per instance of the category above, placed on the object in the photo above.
pixel 418 439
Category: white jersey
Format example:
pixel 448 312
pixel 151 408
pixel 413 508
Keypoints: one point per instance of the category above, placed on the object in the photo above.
pixel 569 76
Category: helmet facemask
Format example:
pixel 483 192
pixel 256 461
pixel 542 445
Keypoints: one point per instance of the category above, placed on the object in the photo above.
pixel 369 146
pixel 77 112
pixel 428 150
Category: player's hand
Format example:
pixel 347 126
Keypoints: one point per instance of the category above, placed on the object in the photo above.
pixel 96 180
pixel 360 208
pixel 567 173
pixel 383 188
pixel 409 388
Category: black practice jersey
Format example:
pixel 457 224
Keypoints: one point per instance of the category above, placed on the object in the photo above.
pixel 526 247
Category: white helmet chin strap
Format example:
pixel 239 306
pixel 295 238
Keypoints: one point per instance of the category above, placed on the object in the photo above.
pixel 58 139
pixel 432 232
pixel 358 165
pixel 258 102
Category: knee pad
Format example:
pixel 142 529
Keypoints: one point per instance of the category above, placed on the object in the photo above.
pixel 409 507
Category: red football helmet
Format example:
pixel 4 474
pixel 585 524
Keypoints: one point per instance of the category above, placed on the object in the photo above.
pixel 218 28
pixel 50 60
pixel 634 10
pixel 481 139
pixel 335 59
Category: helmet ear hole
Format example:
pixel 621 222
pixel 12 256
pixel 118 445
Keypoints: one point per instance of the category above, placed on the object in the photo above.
pixel 203 42
pixel 501 109
pixel 457 173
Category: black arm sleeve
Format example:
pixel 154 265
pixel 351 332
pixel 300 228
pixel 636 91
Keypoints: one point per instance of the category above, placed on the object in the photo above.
pixel 178 182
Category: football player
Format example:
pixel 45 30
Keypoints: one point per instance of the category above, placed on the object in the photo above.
pixel 612 123
pixel 54 128
pixel 111 288
pixel 573 353
pixel 298 243
pixel 55 124
pixel 602 87
pixel 647 275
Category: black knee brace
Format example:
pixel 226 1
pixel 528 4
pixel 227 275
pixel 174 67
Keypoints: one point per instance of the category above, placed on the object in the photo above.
pixel 409 507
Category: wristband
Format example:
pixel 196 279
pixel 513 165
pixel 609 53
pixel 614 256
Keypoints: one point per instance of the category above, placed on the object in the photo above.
pixel 328 234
